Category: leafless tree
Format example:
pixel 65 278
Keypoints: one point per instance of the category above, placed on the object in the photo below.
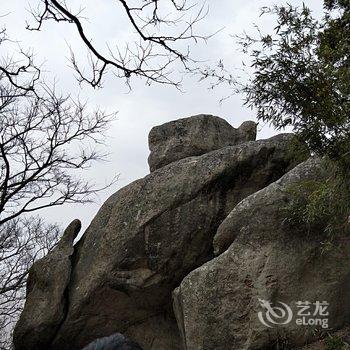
pixel 18 75
pixel 46 141
pixel 42 140
pixel 22 242
pixel 161 28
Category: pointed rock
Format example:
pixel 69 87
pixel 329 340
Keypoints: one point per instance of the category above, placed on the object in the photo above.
pixel 45 305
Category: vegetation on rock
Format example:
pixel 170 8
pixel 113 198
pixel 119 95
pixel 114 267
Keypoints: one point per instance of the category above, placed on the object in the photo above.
pixel 301 80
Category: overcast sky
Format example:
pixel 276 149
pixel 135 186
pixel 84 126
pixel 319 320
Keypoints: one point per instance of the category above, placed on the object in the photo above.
pixel 143 107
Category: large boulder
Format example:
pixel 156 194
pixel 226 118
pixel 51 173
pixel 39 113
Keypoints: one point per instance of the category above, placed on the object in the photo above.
pixel 264 261
pixel 149 235
pixel 194 136
pixel 45 305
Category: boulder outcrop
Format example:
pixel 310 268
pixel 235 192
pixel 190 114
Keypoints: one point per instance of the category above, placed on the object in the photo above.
pixel 207 223
pixel 149 235
pixel 194 136
pixel 264 261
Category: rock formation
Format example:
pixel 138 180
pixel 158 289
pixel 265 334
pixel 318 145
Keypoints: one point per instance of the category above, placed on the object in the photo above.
pixel 267 259
pixel 45 306
pixel 208 181
pixel 193 137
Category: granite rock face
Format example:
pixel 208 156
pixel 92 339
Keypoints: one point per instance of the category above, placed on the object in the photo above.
pixel 262 261
pixel 157 233
pixel 149 235
pixel 45 305
pixel 194 136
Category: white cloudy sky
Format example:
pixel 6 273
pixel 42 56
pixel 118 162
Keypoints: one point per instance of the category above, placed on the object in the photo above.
pixel 144 106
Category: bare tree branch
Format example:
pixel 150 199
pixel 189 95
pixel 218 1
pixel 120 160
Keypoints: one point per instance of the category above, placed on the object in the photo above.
pixel 43 139
pixel 46 141
pixel 20 75
pixel 150 58
pixel 22 241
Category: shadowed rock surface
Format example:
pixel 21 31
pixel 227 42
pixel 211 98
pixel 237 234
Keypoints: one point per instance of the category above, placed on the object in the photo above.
pixel 194 136
pixel 45 305
pixel 267 258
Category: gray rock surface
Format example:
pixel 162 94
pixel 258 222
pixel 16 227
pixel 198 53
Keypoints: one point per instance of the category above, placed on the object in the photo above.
pixel 262 256
pixel 45 305
pixel 148 236
pixel 194 136
pixel 341 336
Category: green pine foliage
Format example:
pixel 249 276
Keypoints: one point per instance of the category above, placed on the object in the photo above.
pixel 301 76
pixel 334 343
pixel 321 205
pixel 301 79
